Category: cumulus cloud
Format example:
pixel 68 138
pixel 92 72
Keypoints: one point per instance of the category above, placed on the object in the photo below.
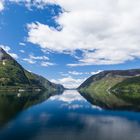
pixel 106 32
pixel 69 82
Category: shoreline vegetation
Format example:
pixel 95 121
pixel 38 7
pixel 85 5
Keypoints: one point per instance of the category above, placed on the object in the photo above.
pixel 18 88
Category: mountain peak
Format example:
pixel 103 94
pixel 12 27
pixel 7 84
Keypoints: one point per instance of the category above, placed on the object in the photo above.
pixel 4 55
pixel 2 50
pixel 1 53
pixel 14 76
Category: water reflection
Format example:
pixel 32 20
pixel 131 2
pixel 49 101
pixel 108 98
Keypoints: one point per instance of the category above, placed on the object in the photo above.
pixel 71 100
pixel 13 103
pixel 70 116
pixel 68 96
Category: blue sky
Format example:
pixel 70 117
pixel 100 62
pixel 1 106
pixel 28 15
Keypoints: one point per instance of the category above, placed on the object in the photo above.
pixel 67 41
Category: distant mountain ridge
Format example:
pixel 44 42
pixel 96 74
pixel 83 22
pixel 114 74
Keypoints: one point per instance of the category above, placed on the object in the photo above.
pixel 113 89
pixel 109 73
pixel 14 76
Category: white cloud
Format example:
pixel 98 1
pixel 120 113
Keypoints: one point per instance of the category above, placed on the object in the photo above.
pixel 96 72
pixel 33 3
pixel 15 56
pixel 33 59
pixel 64 74
pixel 22 51
pixel 43 60
pixel 22 44
pixel 69 82
pixel 68 96
pixel 107 32
pixel 38 57
pixel 1 5
pixel 30 61
pixel 8 50
pixel 75 73
pixel 46 64
pixel 40 4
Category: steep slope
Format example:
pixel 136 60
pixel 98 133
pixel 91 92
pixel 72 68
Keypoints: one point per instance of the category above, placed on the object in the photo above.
pixel 112 73
pixel 128 90
pixel 11 73
pixel 107 88
pixel 14 76
pixel 35 79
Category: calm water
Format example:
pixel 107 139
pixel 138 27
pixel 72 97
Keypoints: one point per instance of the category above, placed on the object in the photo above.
pixel 63 117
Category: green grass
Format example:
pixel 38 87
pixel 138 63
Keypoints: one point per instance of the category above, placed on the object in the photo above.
pixel 11 74
pixel 114 92
pixel 99 91
pixel 128 90
pixel 13 77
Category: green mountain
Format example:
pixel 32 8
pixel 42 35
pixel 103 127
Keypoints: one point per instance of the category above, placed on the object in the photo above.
pixel 117 89
pixel 14 77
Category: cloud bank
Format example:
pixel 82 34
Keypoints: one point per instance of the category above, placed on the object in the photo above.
pixel 105 31
pixel 69 82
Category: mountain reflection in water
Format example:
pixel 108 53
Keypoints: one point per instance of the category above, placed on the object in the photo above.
pixel 64 116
